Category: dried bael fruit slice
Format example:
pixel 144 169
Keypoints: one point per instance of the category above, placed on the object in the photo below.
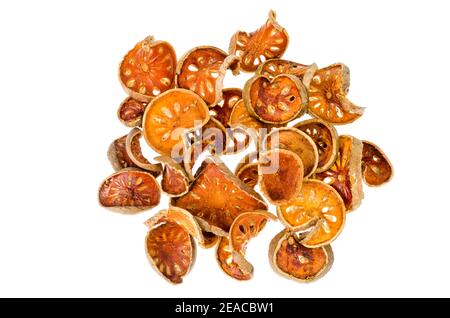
pixel 148 69
pixel 217 196
pixel 275 101
pixel 210 239
pixel 280 175
pixel 133 148
pixel 170 115
pixel 222 111
pixel 274 67
pixel 202 71
pixel 345 173
pixel 376 167
pixel 118 156
pixel 227 263
pixel 171 250
pixel 327 99
pixel 291 259
pixel 248 174
pixel 175 181
pixel 130 112
pixel 129 191
pixel 295 140
pixel 326 139
pixel 269 41
pixel 240 116
pixel 318 210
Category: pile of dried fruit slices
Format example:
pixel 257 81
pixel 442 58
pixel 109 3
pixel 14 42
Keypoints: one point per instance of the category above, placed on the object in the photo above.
pixel 317 177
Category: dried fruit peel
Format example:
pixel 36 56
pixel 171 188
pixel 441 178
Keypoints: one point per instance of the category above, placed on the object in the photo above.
pixel 133 149
pixel 228 264
pixel 274 67
pixel 175 181
pixel 118 156
pixel 376 167
pixel 222 111
pixel 249 174
pixel 130 112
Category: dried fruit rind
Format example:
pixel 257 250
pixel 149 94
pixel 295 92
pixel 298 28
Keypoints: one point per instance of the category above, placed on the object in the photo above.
pixel 118 156
pixel 291 259
pixel 129 191
pixel 170 115
pixel 228 264
pixel 274 67
pixel 318 210
pixel 269 41
pixel 130 112
pixel 133 148
pixel 209 240
pixel 222 111
pixel 248 174
pixel 326 139
pixel 175 181
pixel 376 167
pixel 345 173
pixel 280 175
pixel 148 69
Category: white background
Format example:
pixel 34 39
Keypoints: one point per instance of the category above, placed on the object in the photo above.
pixel 59 95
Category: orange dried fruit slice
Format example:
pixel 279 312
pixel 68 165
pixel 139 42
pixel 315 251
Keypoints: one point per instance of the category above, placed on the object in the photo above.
pixel 130 112
pixel 295 140
pixel 227 263
pixel 248 174
pixel 345 173
pixel 291 259
pixel 280 175
pixel 222 111
pixel 326 139
pixel 148 69
pixel 327 96
pixel 217 196
pixel 133 148
pixel 277 100
pixel 376 167
pixel 171 250
pixel 118 156
pixel 318 209
pixel 209 239
pixel 274 67
pixel 241 116
pixel 202 70
pixel 269 41
pixel 129 191
pixel 169 116
pixel 175 181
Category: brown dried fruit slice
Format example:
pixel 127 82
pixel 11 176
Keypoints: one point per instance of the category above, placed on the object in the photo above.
pixel 130 112
pixel 240 116
pixel 326 139
pixel 129 191
pixel 274 67
pixel 291 259
pixel 223 109
pixel 280 175
pixel 318 209
pixel 175 181
pixel 249 174
pixel 327 92
pixel 376 167
pixel 118 156
pixel 227 263
pixel 171 250
pixel 217 196
pixel 133 148
pixel 248 158
pixel 210 239
pixel 277 100
pixel 345 173
pixel 202 70
pixel 295 140
pixel 170 115
pixel 148 69
pixel 269 41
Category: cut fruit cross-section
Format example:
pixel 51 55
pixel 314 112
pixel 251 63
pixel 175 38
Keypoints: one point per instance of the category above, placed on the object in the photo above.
pixel 130 112
pixel 175 181
pixel 222 111
pixel 274 67
pixel 376 167
pixel 227 263
pixel 118 156
pixel 133 148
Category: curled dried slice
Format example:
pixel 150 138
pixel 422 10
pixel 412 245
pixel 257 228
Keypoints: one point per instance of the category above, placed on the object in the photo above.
pixel 240 116
pixel 269 41
pixel 376 167
pixel 326 139
pixel 129 191
pixel 133 148
pixel 209 239
pixel 217 196
pixel 118 156
pixel 248 174
pixel 202 71
pixel 171 250
pixel 175 181
pixel 327 96
pixel 318 210
pixel 169 116
pixel 222 111
pixel 345 173
pixel 295 140
pixel 280 175
pixel 130 112
pixel 291 259
pixel 277 100
pixel 148 69
pixel 227 263
pixel 248 158
pixel 274 67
